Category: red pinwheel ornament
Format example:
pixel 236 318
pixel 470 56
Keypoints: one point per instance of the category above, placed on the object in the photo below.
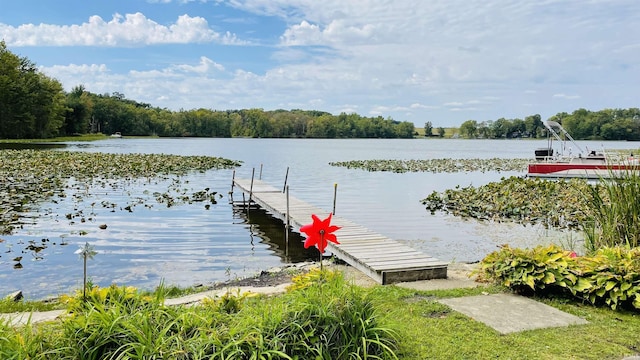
pixel 319 233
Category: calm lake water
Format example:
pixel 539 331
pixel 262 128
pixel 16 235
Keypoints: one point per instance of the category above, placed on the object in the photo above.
pixel 188 244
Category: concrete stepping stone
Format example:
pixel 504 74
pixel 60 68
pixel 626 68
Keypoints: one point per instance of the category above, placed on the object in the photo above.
pixel 507 313
pixel 21 319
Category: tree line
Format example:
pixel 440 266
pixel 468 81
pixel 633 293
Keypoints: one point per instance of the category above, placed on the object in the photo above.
pixel 114 113
pixel 33 105
pixel 582 124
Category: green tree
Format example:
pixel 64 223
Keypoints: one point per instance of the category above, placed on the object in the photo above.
pixel 79 110
pixel 31 104
pixel 500 128
pixel 50 109
pixel 517 128
pixel 469 129
pixel 322 127
pixel 428 129
pixel 533 126
pixel 441 131
pixel 405 130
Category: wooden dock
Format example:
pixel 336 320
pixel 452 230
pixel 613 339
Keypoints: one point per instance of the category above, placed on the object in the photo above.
pixel 385 260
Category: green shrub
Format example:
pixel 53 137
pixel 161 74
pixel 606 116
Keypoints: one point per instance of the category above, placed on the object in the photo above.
pixel 529 269
pixel 610 276
pixel 114 295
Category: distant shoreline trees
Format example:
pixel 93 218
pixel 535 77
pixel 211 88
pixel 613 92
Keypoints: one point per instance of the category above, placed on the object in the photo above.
pixel 582 124
pixel 33 105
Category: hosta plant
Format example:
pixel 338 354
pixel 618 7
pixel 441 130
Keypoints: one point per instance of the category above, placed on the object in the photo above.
pixel 611 276
pixel 533 269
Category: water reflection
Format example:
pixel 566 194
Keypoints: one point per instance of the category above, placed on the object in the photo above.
pixel 30 146
pixel 271 232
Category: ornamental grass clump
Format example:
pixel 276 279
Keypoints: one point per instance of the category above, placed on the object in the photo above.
pixel 324 319
pixel 331 319
pixel 22 343
pixel 614 212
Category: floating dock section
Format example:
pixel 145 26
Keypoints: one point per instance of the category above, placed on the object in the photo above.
pixel 385 260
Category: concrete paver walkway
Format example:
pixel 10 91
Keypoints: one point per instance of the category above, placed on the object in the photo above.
pixel 505 313
pixel 19 319
pixel 508 313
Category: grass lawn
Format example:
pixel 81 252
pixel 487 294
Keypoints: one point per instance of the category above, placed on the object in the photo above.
pixel 430 330
pixel 448 132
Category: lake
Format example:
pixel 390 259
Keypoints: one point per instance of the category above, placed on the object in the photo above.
pixel 188 244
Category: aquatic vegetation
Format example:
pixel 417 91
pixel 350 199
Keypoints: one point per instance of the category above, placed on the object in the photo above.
pixel 560 204
pixel 29 179
pixel 437 165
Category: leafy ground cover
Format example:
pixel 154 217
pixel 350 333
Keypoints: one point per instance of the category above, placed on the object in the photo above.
pixel 607 277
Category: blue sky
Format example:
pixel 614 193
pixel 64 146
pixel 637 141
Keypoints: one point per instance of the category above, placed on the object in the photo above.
pixel 444 61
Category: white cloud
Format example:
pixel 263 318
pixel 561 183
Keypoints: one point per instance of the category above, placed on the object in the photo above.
pixel 80 70
pixel 469 109
pixel 122 30
pixel 206 65
pixel 469 58
pixel 453 103
pixel 421 106
pixel 565 96
pixel 337 32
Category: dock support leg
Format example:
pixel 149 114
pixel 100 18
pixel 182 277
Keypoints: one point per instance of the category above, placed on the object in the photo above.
pixel 335 193
pixel 287 224
pixel 233 183
pixel 285 179
pixel 253 173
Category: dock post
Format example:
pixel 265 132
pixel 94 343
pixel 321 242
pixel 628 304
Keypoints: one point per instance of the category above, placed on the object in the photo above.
pixel 233 182
pixel 286 176
pixel 253 173
pixel 244 202
pixel 287 224
pixel 260 177
pixel 335 193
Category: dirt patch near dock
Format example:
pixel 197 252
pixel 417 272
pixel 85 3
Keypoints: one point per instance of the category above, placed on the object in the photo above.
pixel 284 274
